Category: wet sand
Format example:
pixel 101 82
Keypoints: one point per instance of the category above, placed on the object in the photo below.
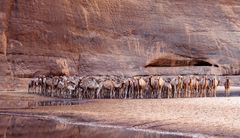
pixel 142 117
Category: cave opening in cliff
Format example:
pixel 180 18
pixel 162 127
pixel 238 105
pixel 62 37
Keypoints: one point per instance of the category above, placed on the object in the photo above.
pixel 203 63
pixel 164 62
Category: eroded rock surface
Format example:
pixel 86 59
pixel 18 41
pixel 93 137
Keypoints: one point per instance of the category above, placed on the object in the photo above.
pixel 127 37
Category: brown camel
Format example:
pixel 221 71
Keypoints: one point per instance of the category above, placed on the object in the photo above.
pixel 142 87
pixel 227 87
pixel 118 87
pixel 140 84
pixel 154 86
pixel 214 84
pixel 186 85
pixel 127 88
pixel 203 86
pixel 179 86
pixel 193 86
pixel 107 89
pixel 136 87
pixel 161 83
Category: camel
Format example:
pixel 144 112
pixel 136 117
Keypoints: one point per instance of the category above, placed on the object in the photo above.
pixel 179 86
pixel 227 87
pixel 140 87
pixel 106 87
pixel 214 84
pixel 125 89
pixel 35 85
pixel 70 88
pixel 186 82
pixel 118 87
pixel 154 86
pixel 136 89
pixel 176 86
pixel 168 89
pixel 32 86
pixel 90 88
pixel 55 82
pixel 128 88
pixel 48 86
pixel 60 87
pixel 193 86
pixel 203 86
pixel 174 82
pixel 41 83
pixel 161 83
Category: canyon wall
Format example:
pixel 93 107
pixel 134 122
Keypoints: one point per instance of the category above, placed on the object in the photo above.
pixel 123 37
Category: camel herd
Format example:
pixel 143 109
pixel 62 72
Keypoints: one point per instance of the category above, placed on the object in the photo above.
pixel 136 87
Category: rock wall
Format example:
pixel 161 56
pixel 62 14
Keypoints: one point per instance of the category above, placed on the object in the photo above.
pixel 124 37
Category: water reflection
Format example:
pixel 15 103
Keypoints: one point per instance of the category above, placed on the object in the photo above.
pixel 58 102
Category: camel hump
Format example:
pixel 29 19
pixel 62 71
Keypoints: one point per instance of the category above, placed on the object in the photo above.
pixel 142 82
pixel 108 84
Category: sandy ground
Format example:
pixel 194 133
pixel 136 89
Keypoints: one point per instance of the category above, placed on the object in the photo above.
pixel 209 116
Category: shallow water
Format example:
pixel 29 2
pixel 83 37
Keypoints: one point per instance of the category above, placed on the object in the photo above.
pixel 60 102
pixel 94 129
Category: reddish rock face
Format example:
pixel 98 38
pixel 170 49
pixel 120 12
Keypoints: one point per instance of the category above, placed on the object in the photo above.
pixel 117 37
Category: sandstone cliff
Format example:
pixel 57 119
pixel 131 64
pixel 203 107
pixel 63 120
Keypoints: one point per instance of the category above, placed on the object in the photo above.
pixel 117 37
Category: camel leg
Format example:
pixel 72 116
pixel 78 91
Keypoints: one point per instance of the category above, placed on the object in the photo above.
pixel 228 93
pixel 53 93
pixel 179 92
pixel 79 94
pixel 114 94
pixel 138 94
pixel 175 92
pixel 41 89
pixel 45 92
pixel 185 93
pixel 59 92
pixel 200 92
pixel 35 89
pixel 121 94
pixel 152 93
pixel 205 93
pixel 133 94
pixel 111 94
pixel 99 93
pixel 71 93
pixel 160 93
pixel 192 92
pixel 125 94
pixel 141 94
pixel 215 92
pixel 168 93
